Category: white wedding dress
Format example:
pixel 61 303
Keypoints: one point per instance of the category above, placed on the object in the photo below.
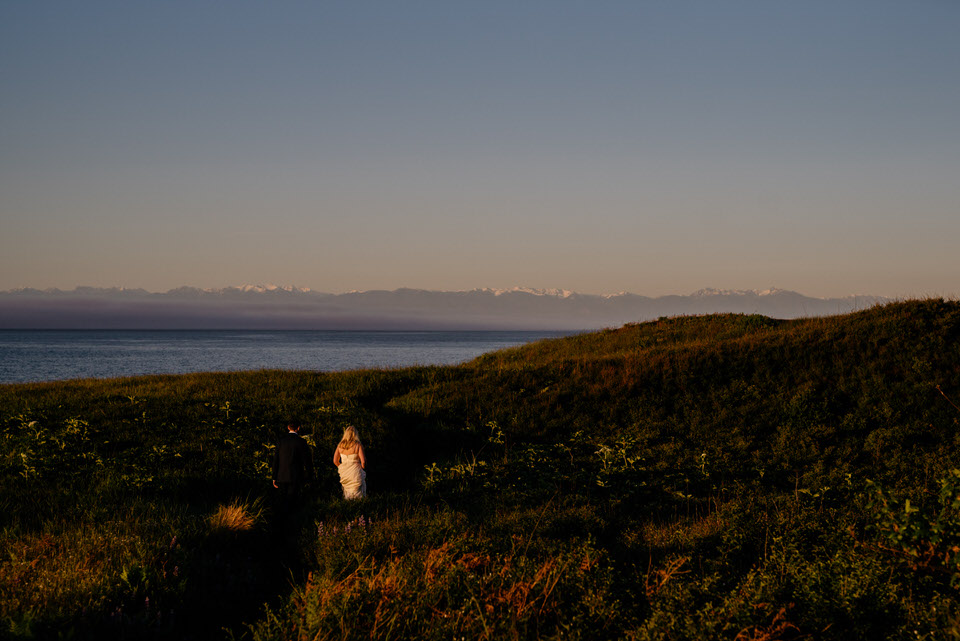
pixel 353 478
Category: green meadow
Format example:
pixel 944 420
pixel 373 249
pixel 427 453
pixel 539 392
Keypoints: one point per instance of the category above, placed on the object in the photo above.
pixel 710 477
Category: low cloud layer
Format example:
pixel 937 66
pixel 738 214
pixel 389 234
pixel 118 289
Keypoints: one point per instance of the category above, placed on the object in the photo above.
pixel 403 309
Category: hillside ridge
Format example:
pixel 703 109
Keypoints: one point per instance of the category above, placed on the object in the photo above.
pixel 687 477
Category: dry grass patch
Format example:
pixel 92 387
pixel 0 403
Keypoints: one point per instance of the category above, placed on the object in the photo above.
pixel 238 516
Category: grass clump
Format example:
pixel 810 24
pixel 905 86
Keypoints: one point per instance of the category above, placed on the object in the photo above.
pixel 237 516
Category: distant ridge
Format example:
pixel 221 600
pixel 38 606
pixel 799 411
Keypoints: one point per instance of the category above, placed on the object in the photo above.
pixel 290 307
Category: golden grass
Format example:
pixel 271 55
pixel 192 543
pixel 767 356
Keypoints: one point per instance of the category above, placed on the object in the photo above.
pixel 235 517
pixel 457 592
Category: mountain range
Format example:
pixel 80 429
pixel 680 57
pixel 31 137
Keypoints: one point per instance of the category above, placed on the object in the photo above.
pixel 276 307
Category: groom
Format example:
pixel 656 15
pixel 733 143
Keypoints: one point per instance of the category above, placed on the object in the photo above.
pixel 292 468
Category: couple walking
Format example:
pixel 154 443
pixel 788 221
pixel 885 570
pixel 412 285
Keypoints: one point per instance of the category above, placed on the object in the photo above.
pixel 293 465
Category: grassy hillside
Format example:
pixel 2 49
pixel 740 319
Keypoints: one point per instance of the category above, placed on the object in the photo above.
pixel 722 476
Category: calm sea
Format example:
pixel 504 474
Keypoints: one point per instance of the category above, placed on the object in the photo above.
pixel 49 355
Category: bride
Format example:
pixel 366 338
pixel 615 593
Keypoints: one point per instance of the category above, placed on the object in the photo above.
pixel 351 463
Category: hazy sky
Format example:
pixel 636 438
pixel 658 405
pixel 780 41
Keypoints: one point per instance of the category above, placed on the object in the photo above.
pixel 653 147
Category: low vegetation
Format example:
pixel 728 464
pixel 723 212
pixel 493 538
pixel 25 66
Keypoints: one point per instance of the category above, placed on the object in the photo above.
pixel 709 477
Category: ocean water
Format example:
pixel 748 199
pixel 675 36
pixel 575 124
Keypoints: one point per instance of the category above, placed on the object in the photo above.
pixel 48 355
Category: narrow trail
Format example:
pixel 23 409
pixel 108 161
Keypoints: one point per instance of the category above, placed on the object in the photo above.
pixel 236 574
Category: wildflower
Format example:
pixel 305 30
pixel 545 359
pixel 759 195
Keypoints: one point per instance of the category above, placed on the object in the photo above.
pixel 362 522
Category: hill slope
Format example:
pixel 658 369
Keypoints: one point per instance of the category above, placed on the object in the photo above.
pixel 693 477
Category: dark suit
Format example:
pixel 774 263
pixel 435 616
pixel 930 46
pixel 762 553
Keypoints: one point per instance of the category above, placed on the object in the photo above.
pixel 292 468
pixel 292 460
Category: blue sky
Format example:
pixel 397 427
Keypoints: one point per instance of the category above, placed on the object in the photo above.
pixel 651 147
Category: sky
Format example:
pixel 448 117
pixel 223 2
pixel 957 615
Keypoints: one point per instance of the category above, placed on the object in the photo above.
pixel 655 147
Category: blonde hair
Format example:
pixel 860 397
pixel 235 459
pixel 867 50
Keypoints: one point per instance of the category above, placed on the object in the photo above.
pixel 350 438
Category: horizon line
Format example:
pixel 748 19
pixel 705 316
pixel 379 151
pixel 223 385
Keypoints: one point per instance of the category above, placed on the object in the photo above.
pixel 536 291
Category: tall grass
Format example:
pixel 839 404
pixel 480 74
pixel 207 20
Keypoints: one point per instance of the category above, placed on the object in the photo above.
pixel 237 516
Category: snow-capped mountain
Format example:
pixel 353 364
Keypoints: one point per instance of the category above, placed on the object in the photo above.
pixel 273 288
pixel 290 307
pixel 558 293
pixel 738 292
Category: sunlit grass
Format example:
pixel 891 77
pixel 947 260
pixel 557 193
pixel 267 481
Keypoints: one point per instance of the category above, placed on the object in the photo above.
pixel 238 516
